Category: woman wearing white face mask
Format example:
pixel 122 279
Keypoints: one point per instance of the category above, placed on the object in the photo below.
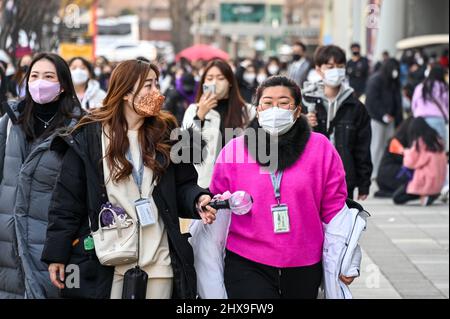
pixel 87 88
pixel 297 182
pixel 246 78
pixel 222 107
pixel 28 171
pixel 273 66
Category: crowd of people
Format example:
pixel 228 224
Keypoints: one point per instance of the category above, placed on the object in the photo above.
pixel 80 138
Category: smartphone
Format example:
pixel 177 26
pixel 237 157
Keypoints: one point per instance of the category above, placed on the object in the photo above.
pixel 209 88
pixel 311 108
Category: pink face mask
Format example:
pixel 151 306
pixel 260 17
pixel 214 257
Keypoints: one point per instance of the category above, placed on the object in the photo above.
pixel 43 91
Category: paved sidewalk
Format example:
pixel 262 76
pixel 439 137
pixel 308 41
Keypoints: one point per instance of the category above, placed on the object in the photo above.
pixel 406 251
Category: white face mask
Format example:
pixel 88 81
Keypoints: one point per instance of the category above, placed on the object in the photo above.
pixel 97 71
pixel 261 78
pixel 273 69
pixel 276 121
pixel 334 77
pixel 394 74
pixel 427 72
pixel 249 77
pixel 79 76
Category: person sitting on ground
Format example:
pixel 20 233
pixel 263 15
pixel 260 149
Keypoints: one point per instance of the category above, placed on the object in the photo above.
pixel 426 156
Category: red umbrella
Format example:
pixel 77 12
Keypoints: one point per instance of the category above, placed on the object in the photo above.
pixel 202 52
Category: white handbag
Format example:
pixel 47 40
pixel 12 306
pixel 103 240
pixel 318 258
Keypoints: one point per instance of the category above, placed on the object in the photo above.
pixel 116 244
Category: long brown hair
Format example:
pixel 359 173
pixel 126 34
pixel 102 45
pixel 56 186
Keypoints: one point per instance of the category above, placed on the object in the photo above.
pixel 154 134
pixel 237 115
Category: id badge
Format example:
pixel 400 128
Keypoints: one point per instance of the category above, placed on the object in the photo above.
pixel 280 219
pixel 144 212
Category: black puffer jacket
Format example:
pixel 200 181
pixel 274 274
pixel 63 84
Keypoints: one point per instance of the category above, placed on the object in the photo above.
pixel 79 194
pixel 352 135
pixel 382 99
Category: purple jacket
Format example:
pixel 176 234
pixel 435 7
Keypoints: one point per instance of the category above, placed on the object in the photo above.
pixel 422 108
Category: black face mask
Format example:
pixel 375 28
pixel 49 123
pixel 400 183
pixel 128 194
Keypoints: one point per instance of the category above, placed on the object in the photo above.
pixel 24 68
pixel 296 57
pixel 356 53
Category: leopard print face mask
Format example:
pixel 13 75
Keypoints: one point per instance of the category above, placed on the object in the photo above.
pixel 150 104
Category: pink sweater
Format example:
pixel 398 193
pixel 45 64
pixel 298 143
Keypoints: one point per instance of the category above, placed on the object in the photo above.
pixel 313 188
pixel 429 170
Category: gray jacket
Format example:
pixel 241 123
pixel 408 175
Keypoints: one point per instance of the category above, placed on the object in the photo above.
pixel 29 176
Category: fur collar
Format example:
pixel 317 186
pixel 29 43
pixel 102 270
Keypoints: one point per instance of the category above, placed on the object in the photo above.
pixel 290 145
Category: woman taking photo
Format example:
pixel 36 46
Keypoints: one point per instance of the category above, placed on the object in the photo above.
pixel 275 250
pixel 88 89
pixel 28 173
pixel 120 155
pixel 220 108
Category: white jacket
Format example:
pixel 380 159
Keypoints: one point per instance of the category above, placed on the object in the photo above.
pixel 94 96
pixel 212 136
pixel 341 252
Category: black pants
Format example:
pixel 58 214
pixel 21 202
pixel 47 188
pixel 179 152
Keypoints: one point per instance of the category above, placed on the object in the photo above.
pixel 401 197
pixel 245 279
pixel 350 191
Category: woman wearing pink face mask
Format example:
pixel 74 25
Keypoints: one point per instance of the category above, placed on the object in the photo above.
pixel 119 155
pixel 28 170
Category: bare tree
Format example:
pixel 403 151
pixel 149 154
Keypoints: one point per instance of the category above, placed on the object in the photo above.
pixel 34 18
pixel 181 13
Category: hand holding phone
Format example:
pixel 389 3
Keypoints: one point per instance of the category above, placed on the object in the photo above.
pixel 209 88
pixel 207 101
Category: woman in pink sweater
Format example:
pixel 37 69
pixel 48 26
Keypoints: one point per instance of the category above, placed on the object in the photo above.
pixel 275 250
pixel 426 156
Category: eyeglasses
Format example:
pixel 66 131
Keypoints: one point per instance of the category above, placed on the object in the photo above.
pixel 286 105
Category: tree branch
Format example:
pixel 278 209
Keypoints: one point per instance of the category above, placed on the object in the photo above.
pixel 196 6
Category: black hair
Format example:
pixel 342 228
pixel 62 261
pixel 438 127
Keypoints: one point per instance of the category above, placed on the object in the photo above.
pixel 86 63
pixel 402 131
pixel 419 128
pixel 355 45
pixel 273 59
pixel 67 99
pixel 105 60
pixel 144 59
pixel 300 44
pixel 326 53
pixel 188 82
pixel 279 80
pixel 437 75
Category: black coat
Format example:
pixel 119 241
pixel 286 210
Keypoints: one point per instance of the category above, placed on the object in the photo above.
pixel 358 72
pixel 381 100
pixel 388 178
pixel 247 90
pixel 79 194
pixel 352 136
pixel 176 104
